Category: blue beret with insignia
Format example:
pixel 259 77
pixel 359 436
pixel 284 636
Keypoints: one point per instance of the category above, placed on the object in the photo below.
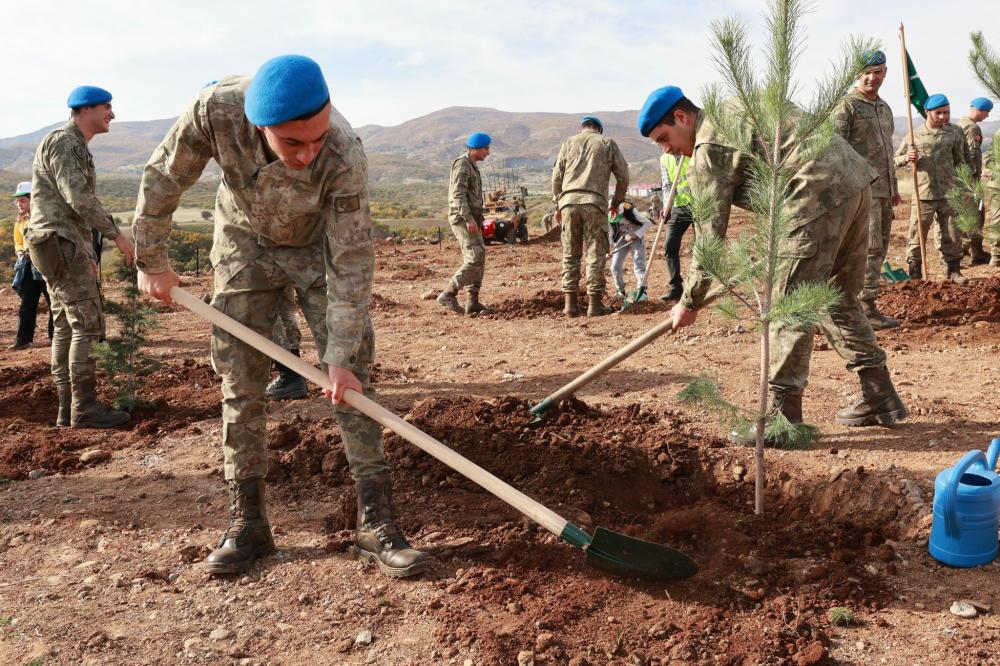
pixel 478 140
pixel 657 105
pixel 873 57
pixel 285 88
pixel 593 119
pixel 936 102
pixel 981 103
pixel 87 96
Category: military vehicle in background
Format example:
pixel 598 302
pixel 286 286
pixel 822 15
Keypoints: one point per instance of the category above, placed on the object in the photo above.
pixel 505 216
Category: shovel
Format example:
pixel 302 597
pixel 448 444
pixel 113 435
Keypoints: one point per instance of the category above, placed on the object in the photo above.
pixel 611 361
pixel 608 550
pixel 894 274
pixel 640 292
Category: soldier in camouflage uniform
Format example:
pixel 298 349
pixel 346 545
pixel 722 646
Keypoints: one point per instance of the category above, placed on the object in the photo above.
pixel 64 212
pixel 291 211
pixel 288 385
pixel 939 150
pixel 991 199
pixel 865 121
pixel 580 179
pixel 979 110
pixel 465 213
pixel 828 242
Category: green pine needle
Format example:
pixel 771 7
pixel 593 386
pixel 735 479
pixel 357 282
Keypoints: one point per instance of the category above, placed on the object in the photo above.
pixel 802 307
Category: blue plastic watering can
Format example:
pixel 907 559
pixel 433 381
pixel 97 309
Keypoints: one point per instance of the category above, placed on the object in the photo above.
pixel 964 531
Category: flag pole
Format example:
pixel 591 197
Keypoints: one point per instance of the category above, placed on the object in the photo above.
pixel 913 165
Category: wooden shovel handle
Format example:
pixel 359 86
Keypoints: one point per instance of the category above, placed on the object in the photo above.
pixel 542 515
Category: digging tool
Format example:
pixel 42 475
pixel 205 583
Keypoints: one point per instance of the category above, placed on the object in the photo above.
pixel 611 361
pixel 894 274
pixel 640 292
pixel 606 549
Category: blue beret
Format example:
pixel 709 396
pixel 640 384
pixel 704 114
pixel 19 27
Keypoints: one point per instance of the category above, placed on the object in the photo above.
pixel 593 119
pixel 982 104
pixel 478 140
pixel 657 105
pixel 87 96
pixel 873 57
pixel 283 89
pixel 936 102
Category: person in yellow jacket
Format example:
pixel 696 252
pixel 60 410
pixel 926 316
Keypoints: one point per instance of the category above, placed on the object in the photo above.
pixel 679 218
pixel 28 282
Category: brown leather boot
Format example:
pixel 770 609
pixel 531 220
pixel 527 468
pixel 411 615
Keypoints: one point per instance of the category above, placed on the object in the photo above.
pixel 377 540
pixel 473 306
pixel 571 307
pixel 87 412
pixel 879 404
pixel 597 308
pixel 65 393
pixel 248 536
pixel 787 403
pixel 979 256
pixel 879 321
pixel 447 299
pixel 955 272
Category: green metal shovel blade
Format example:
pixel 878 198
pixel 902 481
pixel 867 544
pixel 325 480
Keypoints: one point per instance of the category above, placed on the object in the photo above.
pixel 894 274
pixel 635 296
pixel 628 556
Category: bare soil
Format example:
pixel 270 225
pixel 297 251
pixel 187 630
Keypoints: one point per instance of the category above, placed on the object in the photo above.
pixel 102 533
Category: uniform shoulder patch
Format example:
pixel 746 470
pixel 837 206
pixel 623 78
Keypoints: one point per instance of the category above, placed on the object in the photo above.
pixel 348 204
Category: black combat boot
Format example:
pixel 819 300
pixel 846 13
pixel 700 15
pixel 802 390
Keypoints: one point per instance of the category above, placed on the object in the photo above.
pixel 914 269
pixel 65 393
pixel 955 272
pixel 976 252
pixel 288 385
pixel 377 540
pixel 248 536
pixel 571 307
pixel 879 404
pixel 789 404
pixel 447 299
pixel 87 412
pixel 879 321
pixel 596 307
pixel 473 306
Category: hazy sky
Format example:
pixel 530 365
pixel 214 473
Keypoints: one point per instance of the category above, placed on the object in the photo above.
pixel 387 61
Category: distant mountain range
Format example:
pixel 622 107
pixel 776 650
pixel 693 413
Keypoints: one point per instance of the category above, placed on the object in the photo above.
pixel 418 150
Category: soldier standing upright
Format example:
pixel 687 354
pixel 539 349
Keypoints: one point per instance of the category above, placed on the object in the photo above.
pixel 991 198
pixel 580 179
pixel 64 213
pixel 465 213
pixel 828 241
pixel 291 210
pixel 939 149
pixel 979 110
pixel 865 121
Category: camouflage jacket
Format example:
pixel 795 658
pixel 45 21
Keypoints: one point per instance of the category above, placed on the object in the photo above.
pixel 63 201
pixel 465 192
pixel 583 171
pixel 941 151
pixel 991 169
pixel 310 221
pixel 719 170
pixel 974 142
pixel 868 127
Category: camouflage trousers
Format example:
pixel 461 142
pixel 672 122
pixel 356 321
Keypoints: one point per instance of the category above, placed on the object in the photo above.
pixel 470 273
pixel 286 327
pixel 879 228
pixel 584 229
pixel 831 248
pixel 991 205
pixel 251 297
pixel 77 312
pixel 947 237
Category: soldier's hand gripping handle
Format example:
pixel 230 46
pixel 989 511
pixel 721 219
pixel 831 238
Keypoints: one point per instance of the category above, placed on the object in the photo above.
pixel 127 248
pixel 342 379
pixel 158 285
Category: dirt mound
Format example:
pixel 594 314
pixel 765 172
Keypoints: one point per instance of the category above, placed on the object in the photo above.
pixel 177 395
pixel 653 476
pixel 548 302
pixel 920 303
pixel 381 303
pixel 651 306
pixel 300 449
pixel 550 236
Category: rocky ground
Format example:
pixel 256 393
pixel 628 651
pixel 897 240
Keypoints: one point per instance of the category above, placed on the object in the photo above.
pixel 102 533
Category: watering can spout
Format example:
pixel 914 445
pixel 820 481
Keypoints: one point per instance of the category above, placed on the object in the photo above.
pixel 993 453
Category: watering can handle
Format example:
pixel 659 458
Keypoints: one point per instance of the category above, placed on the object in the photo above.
pixel 949 508
pixel 993 453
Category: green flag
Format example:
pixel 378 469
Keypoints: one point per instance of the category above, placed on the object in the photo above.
pixel 918 94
